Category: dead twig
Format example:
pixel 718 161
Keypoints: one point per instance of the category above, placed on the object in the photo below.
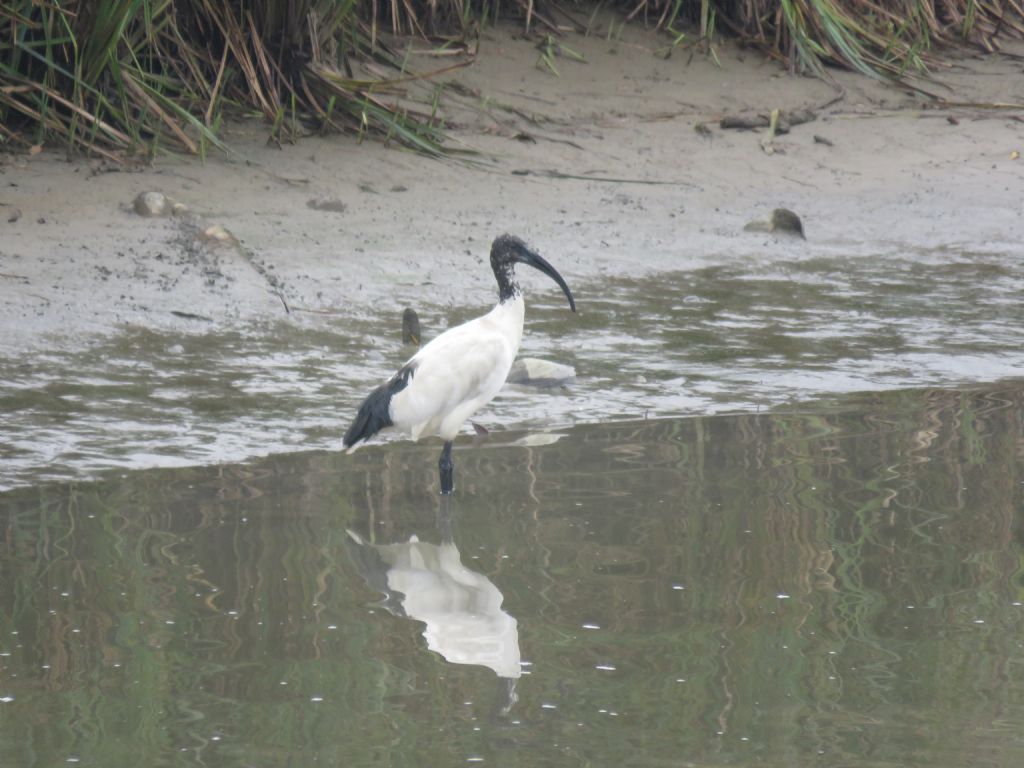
pixel 551 174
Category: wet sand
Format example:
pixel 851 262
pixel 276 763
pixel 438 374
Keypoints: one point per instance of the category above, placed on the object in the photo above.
pixel 602 169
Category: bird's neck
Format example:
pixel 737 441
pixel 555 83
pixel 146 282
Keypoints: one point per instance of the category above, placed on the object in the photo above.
pixel 509 315
pixel 508 288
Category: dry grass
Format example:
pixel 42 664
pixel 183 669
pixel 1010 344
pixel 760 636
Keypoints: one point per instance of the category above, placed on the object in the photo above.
pixel 123 77
pixel 128 76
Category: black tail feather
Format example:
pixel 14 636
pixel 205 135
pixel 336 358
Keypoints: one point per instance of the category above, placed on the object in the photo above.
pixel 371 418
pixel 374 414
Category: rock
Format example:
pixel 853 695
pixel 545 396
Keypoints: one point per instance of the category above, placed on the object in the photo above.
pixel 326 204
pixel 152 204
pixel 782 221
pixel 410 327
pixel 533 372
pixel 156 204
pixel 215 233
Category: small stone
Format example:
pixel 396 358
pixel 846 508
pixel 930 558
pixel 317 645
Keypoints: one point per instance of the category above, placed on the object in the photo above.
pixel 217 234
pixel 534 372
pixel 332 205
pixel 410 327
pixel 784 220
pixel 152 204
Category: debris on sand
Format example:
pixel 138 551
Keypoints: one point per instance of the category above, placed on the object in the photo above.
pixel 787 119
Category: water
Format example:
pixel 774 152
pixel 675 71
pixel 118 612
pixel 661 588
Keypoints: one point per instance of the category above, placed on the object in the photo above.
pixel 741 337
pixel 835 587
pixel 810 552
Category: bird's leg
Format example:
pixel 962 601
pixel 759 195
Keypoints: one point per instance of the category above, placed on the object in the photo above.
pixel 445 466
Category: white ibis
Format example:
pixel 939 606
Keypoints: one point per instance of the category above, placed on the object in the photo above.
pixel 461 370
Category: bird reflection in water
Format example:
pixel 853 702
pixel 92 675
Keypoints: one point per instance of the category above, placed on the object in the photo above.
pixel 461 608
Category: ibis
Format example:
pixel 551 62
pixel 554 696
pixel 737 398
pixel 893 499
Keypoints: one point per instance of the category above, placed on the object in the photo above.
pixel 460 371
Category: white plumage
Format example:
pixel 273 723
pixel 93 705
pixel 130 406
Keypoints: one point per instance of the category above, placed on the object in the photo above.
pixel 461 370
pixel 458 373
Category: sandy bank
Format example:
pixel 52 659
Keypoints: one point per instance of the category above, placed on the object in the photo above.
pixel 601 168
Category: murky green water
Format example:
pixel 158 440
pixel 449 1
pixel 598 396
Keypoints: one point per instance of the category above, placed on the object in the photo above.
pixel 827 573
pixel 840 586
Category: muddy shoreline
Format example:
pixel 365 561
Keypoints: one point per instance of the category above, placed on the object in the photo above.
pixel 602 168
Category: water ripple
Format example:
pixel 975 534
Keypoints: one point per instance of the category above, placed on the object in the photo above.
pixel 736 337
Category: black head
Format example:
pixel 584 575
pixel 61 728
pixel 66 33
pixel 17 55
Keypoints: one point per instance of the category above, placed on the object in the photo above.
pixel 506 251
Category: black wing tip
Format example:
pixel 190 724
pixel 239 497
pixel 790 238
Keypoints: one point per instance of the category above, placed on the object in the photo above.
pixel 372 418
pixel 375 412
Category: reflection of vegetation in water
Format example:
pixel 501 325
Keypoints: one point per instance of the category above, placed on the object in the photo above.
pixel 176 610
pixel 750 579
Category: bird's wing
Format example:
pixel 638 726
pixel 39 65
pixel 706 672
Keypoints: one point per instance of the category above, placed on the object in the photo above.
pixel 454 375
pixel 374 413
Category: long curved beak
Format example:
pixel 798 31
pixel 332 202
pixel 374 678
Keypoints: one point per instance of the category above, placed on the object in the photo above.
pixel 535 260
